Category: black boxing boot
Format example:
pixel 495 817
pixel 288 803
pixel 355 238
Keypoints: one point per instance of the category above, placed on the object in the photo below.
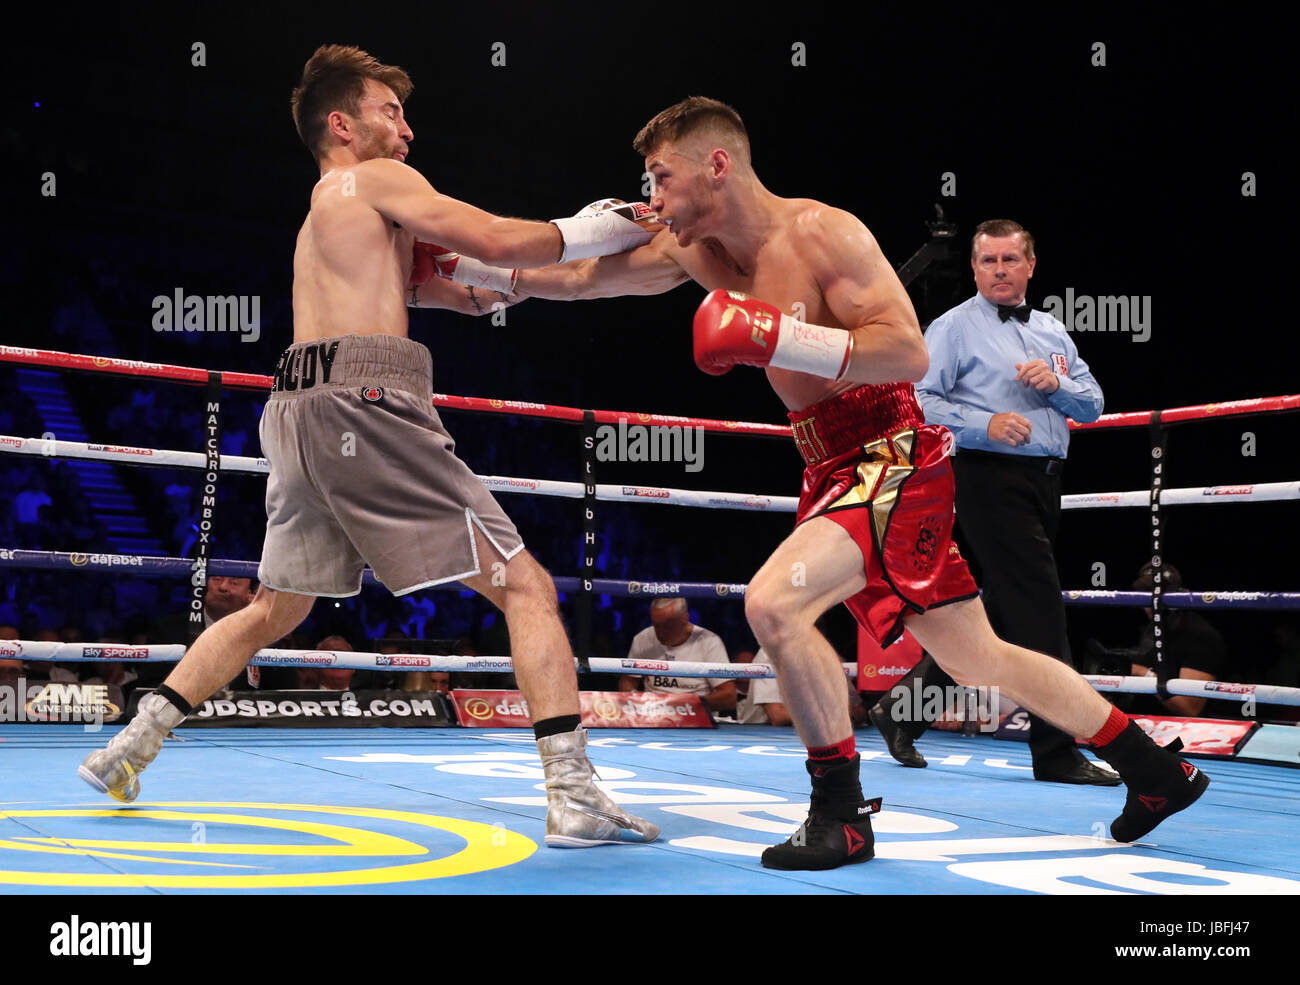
pixel 838 828
pixel 1159 782
pixel 897 741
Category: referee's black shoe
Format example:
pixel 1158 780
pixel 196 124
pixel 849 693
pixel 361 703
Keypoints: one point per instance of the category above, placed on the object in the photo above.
pixel 1082 772
pixel 897 741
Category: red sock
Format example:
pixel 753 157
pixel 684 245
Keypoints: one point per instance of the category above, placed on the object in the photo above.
pixel 845 749
pixel 1115 724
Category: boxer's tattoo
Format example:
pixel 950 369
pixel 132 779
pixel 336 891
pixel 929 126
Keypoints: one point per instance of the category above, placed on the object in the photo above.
pixel 415 297
pixel 473 299
pixel 717 249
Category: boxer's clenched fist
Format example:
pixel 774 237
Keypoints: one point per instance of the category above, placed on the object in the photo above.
pixel 423 268
pixel 607 226
pixel 637 212
pixel 733 329
pixel 450 265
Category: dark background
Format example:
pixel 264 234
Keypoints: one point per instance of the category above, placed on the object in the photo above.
pixel 1129 176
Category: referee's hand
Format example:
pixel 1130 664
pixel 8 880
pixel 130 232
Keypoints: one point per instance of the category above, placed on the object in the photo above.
pixel 1009 429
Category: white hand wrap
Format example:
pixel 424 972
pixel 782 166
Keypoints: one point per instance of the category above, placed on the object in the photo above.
pixel 608 231
pixel 812 349
pixel 475 273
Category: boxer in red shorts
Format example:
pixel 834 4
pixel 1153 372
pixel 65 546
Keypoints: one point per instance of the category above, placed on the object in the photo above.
pixel 875 468
pixel 803 290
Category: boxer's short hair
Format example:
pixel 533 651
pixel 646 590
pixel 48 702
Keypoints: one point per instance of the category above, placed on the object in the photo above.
pixel 997 228
pixel 335 78
pixel 691 115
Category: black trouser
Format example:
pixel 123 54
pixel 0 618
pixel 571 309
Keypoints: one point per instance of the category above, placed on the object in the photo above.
pixel 1008 510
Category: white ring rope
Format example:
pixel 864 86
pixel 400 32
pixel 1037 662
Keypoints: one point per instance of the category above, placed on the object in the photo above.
pixel 1259 492
pixel 406 662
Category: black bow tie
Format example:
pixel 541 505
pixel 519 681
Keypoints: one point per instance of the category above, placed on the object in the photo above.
pixel 1006 311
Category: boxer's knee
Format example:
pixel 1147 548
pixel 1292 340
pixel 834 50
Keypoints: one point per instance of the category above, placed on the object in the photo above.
pixel 775 616
pixel 527 583
pixel 272 615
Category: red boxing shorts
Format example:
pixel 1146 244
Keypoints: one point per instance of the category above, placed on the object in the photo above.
pixel 879 471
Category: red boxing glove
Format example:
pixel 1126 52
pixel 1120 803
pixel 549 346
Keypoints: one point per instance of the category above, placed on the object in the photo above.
pixel 733 329
pixel 450 265
pixel 423 267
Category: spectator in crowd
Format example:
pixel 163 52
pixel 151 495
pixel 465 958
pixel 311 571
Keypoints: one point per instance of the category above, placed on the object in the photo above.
pixel 1193 649
pixel 224 595
pixel 392 641
pixel 112 672
pixel 327 678
pixel 11 668
pixel 671 636
pixel 55 672
pixel 763 704
pixel 742 683
pixel 28 503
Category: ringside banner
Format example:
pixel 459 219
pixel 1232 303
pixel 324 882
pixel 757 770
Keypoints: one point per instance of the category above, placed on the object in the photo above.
pixel 880 669
pixel 60 703
pixel 1201 736
pixel 599 709
pixel 319 709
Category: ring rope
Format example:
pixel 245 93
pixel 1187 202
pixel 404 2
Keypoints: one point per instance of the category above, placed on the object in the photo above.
pixel 409 662
pixel 162 567
pixel 1260 492
pixel 257 381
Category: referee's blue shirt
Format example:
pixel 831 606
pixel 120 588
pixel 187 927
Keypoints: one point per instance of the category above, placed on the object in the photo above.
pixel 972 376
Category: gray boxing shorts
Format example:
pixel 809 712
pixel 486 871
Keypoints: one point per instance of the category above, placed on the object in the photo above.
pixel 363 472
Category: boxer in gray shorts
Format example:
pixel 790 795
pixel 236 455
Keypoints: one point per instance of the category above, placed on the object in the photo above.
pixel 363 472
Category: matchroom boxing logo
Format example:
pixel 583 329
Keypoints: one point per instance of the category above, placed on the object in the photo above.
pixel 183 312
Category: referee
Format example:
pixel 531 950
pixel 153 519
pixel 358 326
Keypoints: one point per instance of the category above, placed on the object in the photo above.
pixel 1003 379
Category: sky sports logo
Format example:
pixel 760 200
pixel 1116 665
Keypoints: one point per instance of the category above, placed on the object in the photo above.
pixel 75 939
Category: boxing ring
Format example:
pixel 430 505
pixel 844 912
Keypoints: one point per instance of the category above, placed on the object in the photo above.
pixel 462 810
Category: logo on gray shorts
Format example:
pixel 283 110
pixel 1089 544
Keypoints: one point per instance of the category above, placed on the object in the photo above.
pixel 372 394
